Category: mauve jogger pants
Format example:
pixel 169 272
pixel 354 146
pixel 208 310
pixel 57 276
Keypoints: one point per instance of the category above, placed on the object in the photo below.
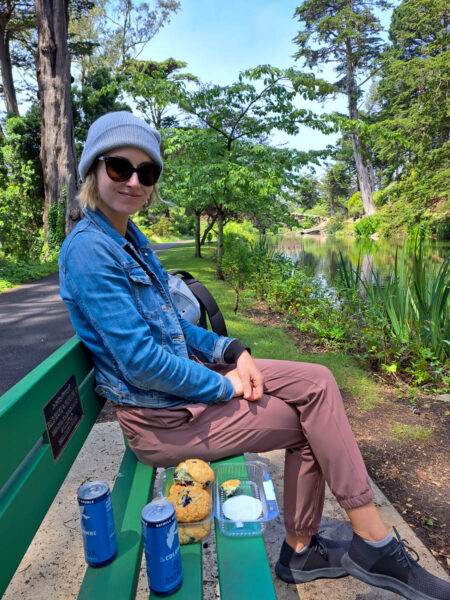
pixel 301 411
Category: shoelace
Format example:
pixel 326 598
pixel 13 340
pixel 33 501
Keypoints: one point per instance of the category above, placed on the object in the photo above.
pixel 400 552
pixel 321 547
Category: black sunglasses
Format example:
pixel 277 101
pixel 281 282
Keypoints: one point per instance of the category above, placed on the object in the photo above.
pixel 120 169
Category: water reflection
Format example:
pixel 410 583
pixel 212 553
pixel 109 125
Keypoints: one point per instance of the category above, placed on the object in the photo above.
pixel 321 253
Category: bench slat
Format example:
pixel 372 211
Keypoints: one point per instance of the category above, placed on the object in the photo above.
pixel 23 403
pixel 26 496
pixel 191 562
pixel 131 492
pixel 244 570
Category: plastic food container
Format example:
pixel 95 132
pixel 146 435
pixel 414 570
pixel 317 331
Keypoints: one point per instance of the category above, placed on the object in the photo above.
pixel 189 533
pixel 256 483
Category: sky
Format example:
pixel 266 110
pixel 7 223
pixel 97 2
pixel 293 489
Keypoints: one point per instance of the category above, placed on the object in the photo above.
pixel 219 39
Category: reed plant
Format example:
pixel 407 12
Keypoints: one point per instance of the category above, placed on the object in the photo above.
pixel 399 324
pixel 413 301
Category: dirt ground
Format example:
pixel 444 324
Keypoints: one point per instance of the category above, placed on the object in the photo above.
pixel 414 474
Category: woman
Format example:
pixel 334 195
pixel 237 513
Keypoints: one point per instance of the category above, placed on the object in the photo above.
pixel 181 391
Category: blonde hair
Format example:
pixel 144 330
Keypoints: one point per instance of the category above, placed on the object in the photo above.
pixel 89 197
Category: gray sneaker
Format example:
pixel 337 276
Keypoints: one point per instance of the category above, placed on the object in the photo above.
pixel 393 568
pixel 321 560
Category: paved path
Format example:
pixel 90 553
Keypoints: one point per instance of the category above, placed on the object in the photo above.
pixel 33 323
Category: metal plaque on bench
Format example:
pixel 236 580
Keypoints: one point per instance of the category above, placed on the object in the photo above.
pixel 62 414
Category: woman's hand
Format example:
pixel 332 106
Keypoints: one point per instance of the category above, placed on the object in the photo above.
pixel 247 379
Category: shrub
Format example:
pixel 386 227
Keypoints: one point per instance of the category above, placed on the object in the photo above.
pixel 335 224
pixel 366 226
pixel 355 205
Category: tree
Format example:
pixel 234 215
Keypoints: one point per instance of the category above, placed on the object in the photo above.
pixel 15 18
pixel 119 31
pixel 99 94
pixel 336 185
pixel 21 187
pixel 18 45
pixel 244 174
pixel 410 131
pixel 156 87
pixel 345 32
pixel 411 97
pixel 308 191
pixel 57 142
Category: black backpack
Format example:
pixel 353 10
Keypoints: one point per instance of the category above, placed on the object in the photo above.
pixel 208 306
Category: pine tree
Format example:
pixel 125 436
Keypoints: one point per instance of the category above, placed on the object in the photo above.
pixel 344 32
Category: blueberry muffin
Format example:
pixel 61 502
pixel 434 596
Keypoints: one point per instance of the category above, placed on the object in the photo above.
pixel 192 503
pixel 190 533
pixel 193 470
pixel 230 487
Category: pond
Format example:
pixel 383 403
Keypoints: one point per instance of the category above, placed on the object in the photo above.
pixel 321 253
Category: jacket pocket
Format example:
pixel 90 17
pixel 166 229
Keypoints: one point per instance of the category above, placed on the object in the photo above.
pixel 144 291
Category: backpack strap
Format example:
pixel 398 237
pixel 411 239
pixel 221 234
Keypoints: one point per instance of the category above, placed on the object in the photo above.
pixel 207 303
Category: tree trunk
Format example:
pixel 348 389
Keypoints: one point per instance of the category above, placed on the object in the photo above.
pixel 361 168
pixel 57 141
pixel 208 229
pixel 236 299
pixel 198 253
pixel 331 198
pixel 363 177
pixel 219 274
pixel 9 91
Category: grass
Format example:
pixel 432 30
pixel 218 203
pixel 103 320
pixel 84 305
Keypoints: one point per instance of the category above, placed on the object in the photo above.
pixel 269 342
pixel 16 272
pixel 403 432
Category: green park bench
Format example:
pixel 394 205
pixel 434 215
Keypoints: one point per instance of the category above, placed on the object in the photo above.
pixel 36 453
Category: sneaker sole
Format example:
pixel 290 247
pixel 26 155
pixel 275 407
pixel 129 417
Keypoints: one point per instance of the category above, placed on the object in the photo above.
pixel 293 576
pixel 382 581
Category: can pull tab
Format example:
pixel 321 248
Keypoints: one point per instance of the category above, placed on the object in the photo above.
pixel 269 490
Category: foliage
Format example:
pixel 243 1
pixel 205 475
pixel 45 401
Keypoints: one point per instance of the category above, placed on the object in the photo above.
pixel 56 224
pixel 418 432
pixel 308 193
pixel 399 325
pixel 236 263
pixel 336 186
pixel 21 187
pixel 156 87
pixel 222 162
pixel 347 34
pixel 21 145
pixel 17 23
pixel 117 31
pixel 355 207
pixel 99 94
pixel 243 229
pixel 182 223
pixel 410 118
pixel 412 305
pixel 335 224
pixel 13 272
pixel 366 226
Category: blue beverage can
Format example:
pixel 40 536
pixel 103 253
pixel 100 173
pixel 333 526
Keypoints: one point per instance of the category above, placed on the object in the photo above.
pixel 162 547
pixel 97 523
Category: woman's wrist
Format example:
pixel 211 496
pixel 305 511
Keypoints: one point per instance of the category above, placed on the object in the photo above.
pixel 233 351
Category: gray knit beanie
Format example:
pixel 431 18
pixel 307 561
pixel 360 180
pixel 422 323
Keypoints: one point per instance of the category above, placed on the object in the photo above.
pixel 118 129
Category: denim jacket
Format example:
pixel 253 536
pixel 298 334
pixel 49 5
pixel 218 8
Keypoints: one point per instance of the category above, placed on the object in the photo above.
pixel 117 295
